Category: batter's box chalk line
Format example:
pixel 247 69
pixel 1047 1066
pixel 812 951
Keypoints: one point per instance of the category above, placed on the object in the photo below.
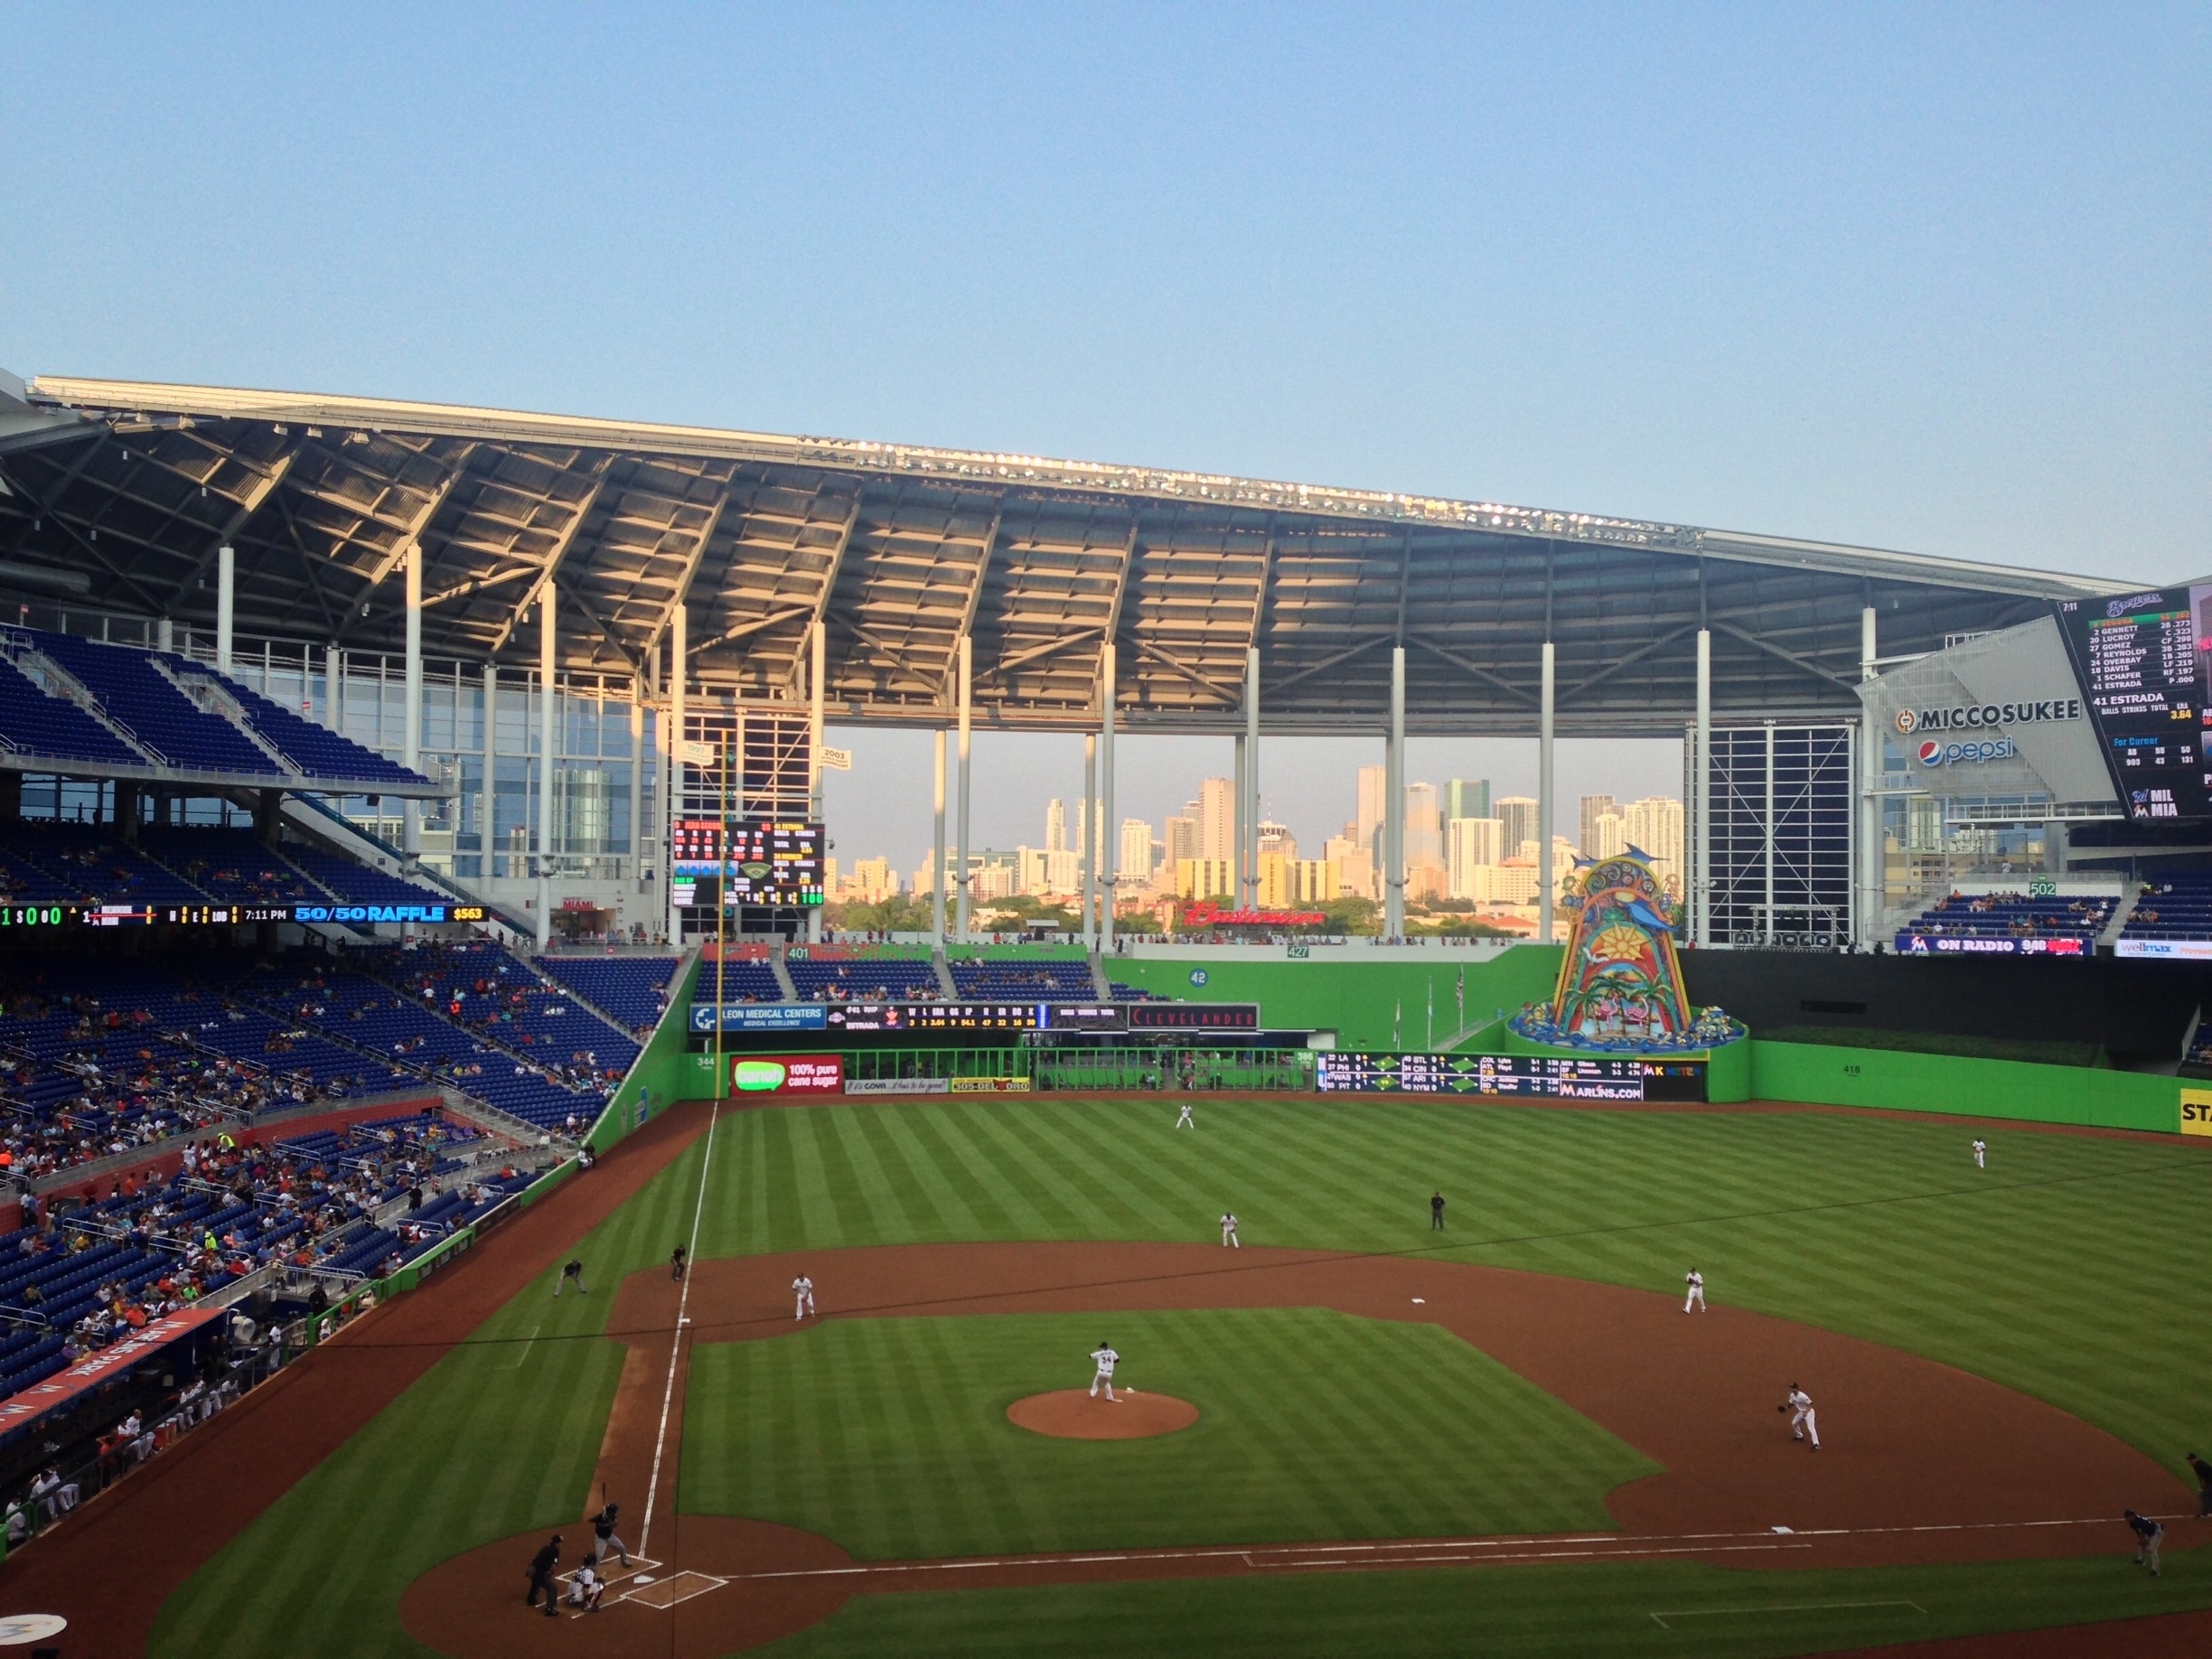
pixel 665 1593
pixel 639 1569
pixel 1793 1606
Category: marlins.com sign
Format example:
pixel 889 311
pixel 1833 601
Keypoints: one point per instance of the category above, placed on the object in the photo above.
pixel 1983 715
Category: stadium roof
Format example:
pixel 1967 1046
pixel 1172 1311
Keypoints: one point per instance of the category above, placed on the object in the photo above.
pixel 115 495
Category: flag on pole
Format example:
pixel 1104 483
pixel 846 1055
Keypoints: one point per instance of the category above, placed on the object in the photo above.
pixel 1431 987
pixel 1459 999
pixel 1397 1023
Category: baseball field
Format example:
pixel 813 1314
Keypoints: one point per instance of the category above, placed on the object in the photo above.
pixel 1505 1435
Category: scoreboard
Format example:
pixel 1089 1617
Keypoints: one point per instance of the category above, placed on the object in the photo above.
pixel 874 1017
pixel 227 915
pixel 2143 667
pixel 772 862
pixel 1558 1077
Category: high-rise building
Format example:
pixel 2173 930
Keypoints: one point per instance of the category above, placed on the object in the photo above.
pixel 1467 798
pixel 1605 837
pixel 1217 824
pixel 1356 865
pixel 1136 853
pixel 1206 879
pixel 1518 813
pixel 1285 883
pixel 1471 843
pixel 1056 826
pixel 1277 839
pixel 1594 807
pixel 1424 835
pixel 1655 825
pixel 1180 837
pixel 1373 801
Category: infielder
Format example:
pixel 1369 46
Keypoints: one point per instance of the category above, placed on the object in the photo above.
pixel 1229 1237
pixel 2149 1535
pixel 1185 1120
pixel 575 1270
pixel 1981 1152
pixel 1105 1359
pixel 1696 1298
pixel 1799 1405
pixel 803 1295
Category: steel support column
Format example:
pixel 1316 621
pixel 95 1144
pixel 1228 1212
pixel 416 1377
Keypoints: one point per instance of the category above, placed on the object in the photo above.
pixel 817 661
pixel 1870 890
pixel 1700 806
pixel 637 786
pixel 226 581
pixel 334 687
pixel 960 856
pixel 545 746
pixel 487 803
pixel 410 724
pixel 1086 843
pixel 1249 810
pixel 1393 804
pixel 937 845
pixel 1110 832
pixel 672 744
pixel 1767 841
pixel 1547 878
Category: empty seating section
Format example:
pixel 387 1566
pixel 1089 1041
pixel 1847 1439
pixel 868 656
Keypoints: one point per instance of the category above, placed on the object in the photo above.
pixel 2172 907
pixel 2000 915
pixel 868 978
pixel 315 750
pixel 1133 993
pixel 737 982
pixel 229 864
pixel 162 718
pixel 632 989
pixel 32 722
pixel 357 883
pixel 1025 979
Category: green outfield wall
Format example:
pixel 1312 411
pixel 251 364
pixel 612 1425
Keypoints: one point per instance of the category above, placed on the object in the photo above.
pixel 1369 1003
pixel 1896 1081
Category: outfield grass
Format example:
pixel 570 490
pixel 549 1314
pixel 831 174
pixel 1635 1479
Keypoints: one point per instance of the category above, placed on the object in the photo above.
pixel 891 1436
pixel 2062 1269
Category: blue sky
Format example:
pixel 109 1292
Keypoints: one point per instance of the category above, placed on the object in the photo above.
pixel 1932 278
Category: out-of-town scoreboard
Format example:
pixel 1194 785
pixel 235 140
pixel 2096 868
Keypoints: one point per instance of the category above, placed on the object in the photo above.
pixel 775 863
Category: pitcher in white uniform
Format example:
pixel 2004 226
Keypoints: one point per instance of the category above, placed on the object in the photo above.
pixel 1105 1359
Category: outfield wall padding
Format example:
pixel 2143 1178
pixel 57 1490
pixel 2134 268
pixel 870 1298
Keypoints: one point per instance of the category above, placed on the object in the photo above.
pixel 1897 1081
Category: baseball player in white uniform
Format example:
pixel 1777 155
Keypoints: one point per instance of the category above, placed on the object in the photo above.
pixel 1799 1405
pixel 1696 1298
pixel 802 1294
pixel 1229 1237
pixel 1981 1152
pixel 1105 1359
pixel 1185 1120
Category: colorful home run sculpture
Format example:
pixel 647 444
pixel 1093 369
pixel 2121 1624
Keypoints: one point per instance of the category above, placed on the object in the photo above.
pixel 1620 985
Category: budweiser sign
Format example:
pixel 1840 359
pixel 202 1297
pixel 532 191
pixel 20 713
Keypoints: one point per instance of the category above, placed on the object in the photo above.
pixel 1206 912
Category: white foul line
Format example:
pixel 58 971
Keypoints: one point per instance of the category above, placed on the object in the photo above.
pixel 683 1300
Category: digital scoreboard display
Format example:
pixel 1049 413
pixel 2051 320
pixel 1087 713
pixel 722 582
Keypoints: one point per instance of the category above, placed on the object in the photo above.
pixel 2146 673
pixel 774 863
pixel 1597 1078
pixel 227 916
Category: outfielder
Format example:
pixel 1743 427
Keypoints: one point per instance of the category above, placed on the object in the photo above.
pixel 1185 1121
pixel 803 1295
pixel 1981 1152
pixel 1105 1359
pixel 1696 1298
pixel 1229 1237
pixel 1799 1405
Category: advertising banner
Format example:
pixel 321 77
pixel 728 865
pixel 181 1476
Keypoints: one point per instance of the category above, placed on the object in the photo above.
pixel 2197 1111
pixel 990 1085
pixel 1961 944
pixel 2177 950
pixel 787 1075
pixel 899 1085
pixel 109 1363
pixel 762 1017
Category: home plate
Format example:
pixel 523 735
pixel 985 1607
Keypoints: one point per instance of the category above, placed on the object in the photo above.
pixel 677 1586
pixel 639 1568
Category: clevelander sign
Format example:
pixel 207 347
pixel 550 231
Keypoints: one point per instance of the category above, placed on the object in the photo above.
pixel 1985 716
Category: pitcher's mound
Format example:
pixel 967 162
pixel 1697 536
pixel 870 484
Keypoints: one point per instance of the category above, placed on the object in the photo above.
pixel 1072 1414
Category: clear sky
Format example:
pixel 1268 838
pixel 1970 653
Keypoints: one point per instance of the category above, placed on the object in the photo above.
pixel 1924 277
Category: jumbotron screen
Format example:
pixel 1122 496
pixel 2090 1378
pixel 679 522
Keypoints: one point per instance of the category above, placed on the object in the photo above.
pixel 771 863
pixel 2145 665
